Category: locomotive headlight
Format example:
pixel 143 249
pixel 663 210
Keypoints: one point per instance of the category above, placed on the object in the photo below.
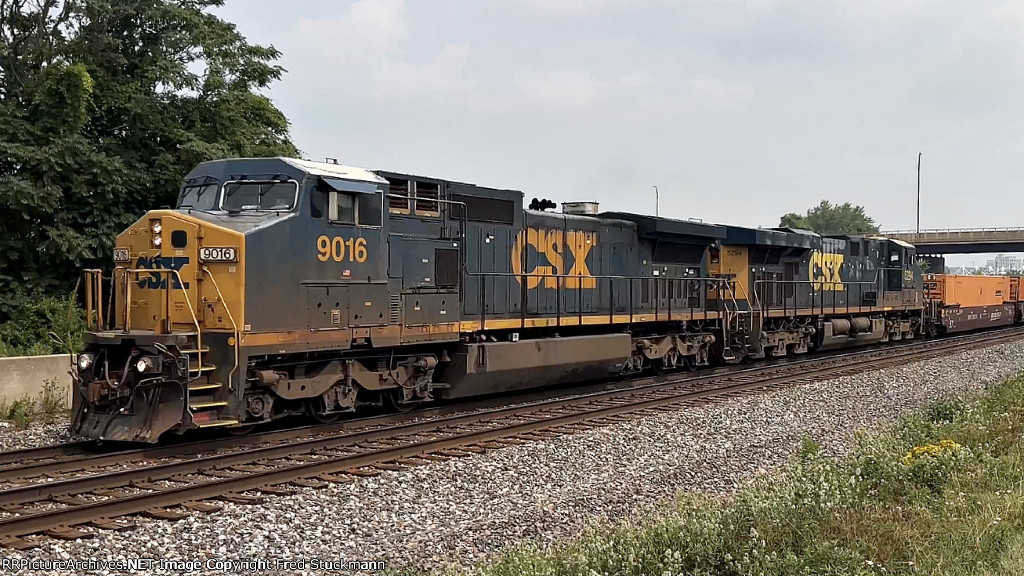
pixel 85 361
pixel 157 240
pixel 145 364
pixel 157 228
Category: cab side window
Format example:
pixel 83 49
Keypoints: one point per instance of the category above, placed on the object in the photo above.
pixel 370 208
pixel 355 208
pixel 343 208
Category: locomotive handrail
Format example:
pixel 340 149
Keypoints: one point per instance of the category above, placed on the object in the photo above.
pixel 846 284
pixel 167 302
pixel 234 327
pixel 93 291
pixel 579 312
pixel 93 296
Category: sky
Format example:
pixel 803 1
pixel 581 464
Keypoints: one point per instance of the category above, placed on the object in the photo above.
pixel 738 112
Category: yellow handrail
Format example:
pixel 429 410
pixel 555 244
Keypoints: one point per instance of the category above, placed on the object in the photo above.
pixel 234 326
pixel 167 288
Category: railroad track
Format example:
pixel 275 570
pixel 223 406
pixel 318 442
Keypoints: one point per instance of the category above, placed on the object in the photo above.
pixel 59 497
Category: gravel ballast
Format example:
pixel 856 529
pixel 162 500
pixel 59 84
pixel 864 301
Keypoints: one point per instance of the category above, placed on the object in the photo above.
pixel 465 508
pixel 40 433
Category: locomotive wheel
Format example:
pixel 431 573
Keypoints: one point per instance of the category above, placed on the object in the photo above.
pixel 316 409
pixel 394 398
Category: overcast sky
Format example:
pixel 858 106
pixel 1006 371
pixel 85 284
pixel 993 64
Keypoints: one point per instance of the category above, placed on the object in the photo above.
pixel 737 111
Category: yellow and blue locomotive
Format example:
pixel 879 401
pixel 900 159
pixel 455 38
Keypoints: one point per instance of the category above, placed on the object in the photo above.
pixel 280 286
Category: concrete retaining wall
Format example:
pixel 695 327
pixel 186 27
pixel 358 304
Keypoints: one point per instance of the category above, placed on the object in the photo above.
pixel 26 375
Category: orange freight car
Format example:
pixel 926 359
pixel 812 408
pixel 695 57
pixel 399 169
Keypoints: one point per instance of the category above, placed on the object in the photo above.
pixel 961 303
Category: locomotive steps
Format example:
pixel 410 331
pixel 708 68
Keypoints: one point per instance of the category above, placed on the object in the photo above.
pixel 84 498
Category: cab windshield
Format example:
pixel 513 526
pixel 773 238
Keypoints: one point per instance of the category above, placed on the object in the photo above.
pixel 199 196
pixel 258 195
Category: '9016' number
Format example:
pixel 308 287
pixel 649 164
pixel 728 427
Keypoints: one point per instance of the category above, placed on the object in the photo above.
pixel 341 249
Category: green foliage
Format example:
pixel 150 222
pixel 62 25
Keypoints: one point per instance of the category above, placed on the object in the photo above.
pixel 26 409
pixel 828 218
pixel 21 412
pixel 42 325
pixel 104 106
pixel 808 448
pixel 53 400
pixel 940 493
pixel 945 411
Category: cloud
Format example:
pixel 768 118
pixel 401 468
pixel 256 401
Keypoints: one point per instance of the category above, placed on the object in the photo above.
pixel 708 91
pixel 638 90
pixel 561 88
pixel 560 8
pixel 443 74
pixel 366 47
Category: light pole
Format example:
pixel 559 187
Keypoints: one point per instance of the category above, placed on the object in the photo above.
pixel 918 192
pixel 657 201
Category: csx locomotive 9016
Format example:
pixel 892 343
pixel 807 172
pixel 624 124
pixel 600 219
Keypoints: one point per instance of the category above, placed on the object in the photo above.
pixel 279 286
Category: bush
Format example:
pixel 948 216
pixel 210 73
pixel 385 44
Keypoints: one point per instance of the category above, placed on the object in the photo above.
pixel 22 411
pixel 31 321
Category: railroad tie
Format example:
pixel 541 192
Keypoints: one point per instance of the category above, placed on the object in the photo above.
pixel 238 498
pixel 69 533
pixel 365 472
pixel 115 524
pixel 308 483
pixel 336 479
pixel 200 506
pixel 277 490
pixel 165 514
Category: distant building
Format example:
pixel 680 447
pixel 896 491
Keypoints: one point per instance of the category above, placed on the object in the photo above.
pixel 1003 263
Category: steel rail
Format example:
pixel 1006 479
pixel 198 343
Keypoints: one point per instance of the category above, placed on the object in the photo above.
pixel 44 452
pixel 459 431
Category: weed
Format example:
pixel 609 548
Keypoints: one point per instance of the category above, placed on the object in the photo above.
pixel 944 411
pixel 22 411
pixel 52 399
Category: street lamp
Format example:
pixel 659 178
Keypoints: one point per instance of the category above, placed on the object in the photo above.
pixel 918 192
pixel 657 201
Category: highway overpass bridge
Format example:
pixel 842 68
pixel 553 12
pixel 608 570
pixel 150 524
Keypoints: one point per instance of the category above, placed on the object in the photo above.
pixel 962 240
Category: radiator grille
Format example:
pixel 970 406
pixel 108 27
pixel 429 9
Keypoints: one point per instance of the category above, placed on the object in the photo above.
pixel 395 309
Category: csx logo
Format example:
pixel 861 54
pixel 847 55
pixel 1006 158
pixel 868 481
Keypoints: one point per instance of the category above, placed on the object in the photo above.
pixel 824 271
pixel 553 246
pixel 157 280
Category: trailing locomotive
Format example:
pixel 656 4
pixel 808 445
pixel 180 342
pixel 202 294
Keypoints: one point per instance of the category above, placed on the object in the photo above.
pixel 279 286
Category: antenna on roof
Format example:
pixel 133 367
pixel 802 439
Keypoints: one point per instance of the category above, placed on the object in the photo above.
pixel 331 160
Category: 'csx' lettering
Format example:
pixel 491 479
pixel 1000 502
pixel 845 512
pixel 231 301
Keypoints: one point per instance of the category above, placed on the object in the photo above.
pixel 825 271
pixel 158 279
pixel 553 245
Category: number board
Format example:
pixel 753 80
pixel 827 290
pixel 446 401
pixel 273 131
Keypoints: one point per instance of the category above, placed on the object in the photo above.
pixel 218 254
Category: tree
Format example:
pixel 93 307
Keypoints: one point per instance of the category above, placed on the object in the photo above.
pixel 828 218
pixel 104 106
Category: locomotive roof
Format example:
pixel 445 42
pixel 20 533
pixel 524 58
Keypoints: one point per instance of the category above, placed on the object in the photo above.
pixel 669 228
pixel 232 168
pixel 782 237
pixel 335 170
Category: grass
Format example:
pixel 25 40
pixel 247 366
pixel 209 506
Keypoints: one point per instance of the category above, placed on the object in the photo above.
pixel 26 410
pixel 940 493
